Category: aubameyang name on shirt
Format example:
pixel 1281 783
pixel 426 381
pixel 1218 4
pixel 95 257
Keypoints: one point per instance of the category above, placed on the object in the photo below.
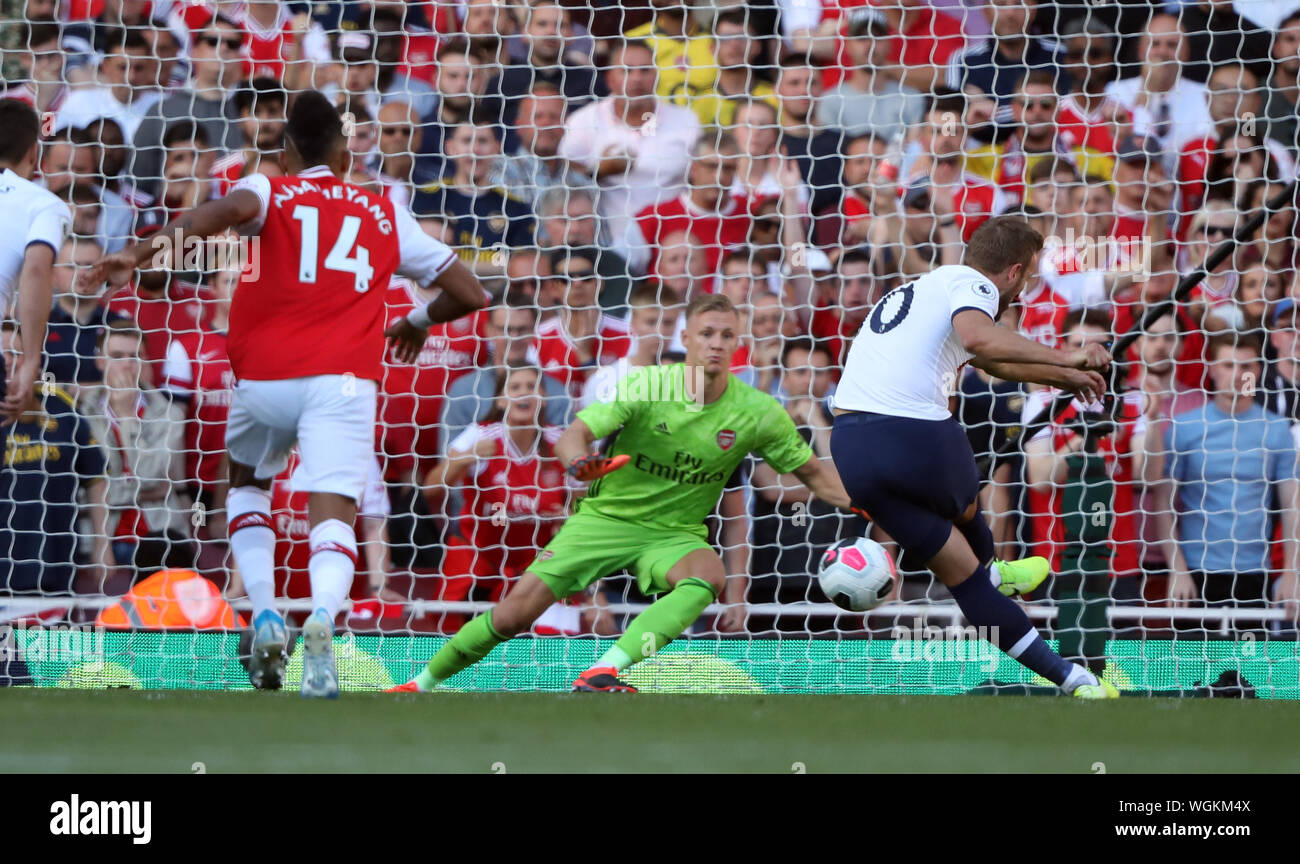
pixel 339 192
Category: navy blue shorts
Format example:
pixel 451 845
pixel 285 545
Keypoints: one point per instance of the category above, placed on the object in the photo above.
pixel 912 477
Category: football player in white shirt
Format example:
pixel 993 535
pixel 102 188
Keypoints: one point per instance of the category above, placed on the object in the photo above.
pixel 33 226
pixel 906 461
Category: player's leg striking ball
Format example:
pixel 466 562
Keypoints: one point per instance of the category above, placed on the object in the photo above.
pixel 921 487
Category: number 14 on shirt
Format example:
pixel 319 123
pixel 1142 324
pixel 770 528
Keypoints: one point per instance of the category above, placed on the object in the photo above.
pixel 339 258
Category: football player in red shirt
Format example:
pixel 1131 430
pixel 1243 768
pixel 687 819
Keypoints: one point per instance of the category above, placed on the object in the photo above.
pixel 306 344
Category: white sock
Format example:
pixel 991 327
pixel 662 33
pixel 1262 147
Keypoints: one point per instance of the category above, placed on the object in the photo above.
pixel 332 566
pixel 995 575
pixel 252 542
pixel 1078 675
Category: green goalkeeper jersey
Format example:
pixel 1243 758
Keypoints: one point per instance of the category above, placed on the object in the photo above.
pixel 683 452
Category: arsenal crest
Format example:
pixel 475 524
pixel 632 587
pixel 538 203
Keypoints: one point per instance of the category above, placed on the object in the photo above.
pixel 726 438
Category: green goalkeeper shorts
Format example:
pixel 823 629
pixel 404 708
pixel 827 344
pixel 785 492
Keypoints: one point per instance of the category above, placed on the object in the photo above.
pixel 590 547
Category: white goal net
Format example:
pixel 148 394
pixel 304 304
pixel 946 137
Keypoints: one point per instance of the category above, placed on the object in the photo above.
pixel 600 165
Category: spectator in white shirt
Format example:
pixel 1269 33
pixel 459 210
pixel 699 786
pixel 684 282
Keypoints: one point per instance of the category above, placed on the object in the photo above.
pixel 1164 105
pixel 637 146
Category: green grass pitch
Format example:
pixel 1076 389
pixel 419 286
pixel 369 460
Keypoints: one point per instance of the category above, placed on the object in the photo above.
pixel 50 730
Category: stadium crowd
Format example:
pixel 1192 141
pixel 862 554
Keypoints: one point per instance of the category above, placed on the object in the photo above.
pixel 600 165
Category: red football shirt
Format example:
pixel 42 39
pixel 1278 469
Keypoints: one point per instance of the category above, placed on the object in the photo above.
pixel 1084 129
pixel 198 366
pixel 163 318
pixel 266 50
pixel 1193 164
pixel 293 531
pixel 227 170
pixel 411 405
pixel 933 37
pixel 506 496
pixel 314 301
pixel 1047 526
pixel 555 352
pixel 1042 314
pixel 975 202
pixel 716 231
pixel 417 53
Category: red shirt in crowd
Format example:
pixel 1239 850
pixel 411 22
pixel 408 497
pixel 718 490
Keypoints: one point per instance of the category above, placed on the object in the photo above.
pixel 1078 127
pixel 715 231
pixel 1044 516
pixel 198 367
pixel 266 50
pixel 506 497
pixel 558 357
pixel 411 406
pixel 293 530
pixel 933 38
pixel 227 170
pixel 1042 314
pixel 975 201
pixel 829 326
pixel 162 318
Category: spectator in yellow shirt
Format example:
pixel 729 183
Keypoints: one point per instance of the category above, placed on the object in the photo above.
pixel 682 52
pixel 734 49
pixel 1035 137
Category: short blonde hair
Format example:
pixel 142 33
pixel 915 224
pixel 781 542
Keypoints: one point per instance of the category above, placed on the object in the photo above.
pixel 709 303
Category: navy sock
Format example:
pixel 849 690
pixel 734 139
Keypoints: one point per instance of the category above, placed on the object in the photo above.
pixel 984 607
pixel 980 538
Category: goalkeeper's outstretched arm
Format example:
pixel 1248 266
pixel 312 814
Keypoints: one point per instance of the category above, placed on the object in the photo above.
pixel 823 480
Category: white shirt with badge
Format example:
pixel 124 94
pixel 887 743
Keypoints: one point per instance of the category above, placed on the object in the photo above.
pixel 28 214
pixel 906 358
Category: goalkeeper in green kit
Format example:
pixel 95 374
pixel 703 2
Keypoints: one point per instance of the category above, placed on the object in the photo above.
pixel 676 433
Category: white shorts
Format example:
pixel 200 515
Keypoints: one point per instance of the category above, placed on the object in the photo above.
pixel 330 417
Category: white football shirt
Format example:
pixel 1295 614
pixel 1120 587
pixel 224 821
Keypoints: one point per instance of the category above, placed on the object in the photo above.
pixel 905 359
pixel 28 214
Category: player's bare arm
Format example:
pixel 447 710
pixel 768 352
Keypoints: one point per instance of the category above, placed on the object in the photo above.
pixel 823 480
pixel 207 219
pixel 35 297
pixel 988 342
pixel 462 294
pixel 1087 385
